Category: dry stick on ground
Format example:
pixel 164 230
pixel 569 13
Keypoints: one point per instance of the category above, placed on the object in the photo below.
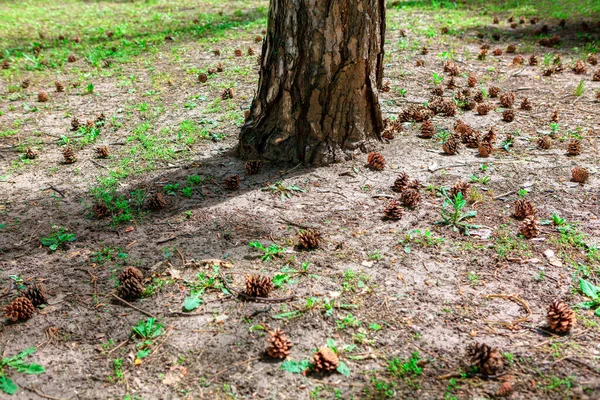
pixel 516 299
pixel 132 306
pixel 36 391
pixel 299 225
pixel 96 163
pixel 118 347
pixel 50 187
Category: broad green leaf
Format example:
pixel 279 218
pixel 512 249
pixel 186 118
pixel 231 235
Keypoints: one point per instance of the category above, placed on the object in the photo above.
pixel 588 289
pixel 280 279
pixel 586 304
pixel 597 312
pixel 32 369
pixel 143 353
pixel 22 355
pixel 343 369
pixel 295 367
pixel 7 385
pixel 191 302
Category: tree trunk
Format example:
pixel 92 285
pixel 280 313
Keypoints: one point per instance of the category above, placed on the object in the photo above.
pixel 321 68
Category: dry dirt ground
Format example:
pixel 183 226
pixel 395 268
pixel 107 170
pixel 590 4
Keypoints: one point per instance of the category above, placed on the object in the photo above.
pixel 399 300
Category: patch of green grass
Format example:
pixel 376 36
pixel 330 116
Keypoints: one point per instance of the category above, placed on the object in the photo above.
pixel 507 244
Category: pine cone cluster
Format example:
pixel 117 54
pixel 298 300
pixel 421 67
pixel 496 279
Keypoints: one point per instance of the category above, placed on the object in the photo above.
pixel 507 99
pixel 530 227
pixel 156 202
pixel 309 239
pixel 526 104
pixel 524 208
pixel 36 293
pixel 415 113
pixel 411 198
pixel 131 283
pixel 258 285
pixel 393 210
pixel 508 115
pixel 460 187
pixel 574 147
pixel 232 182
pixel 20 309
pixel 560 317
pixel 544 142
pixel 376 161
pixel 579 174
pixel 69 155
pixel 452 145
pixel 279 344
pixel 253 167
pixel 579 67
pixel 43 97
pixel 102 151
pixel 483 109
pixel 325 360
pixel 30 154
pixel 487 359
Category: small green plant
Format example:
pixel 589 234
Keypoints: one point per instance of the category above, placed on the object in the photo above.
pixel 90 88
pixel 437 78
pixel 484 180
pixel 348 321
pixel 375 255
pixel 284 191
pixel 522 193
pixel 580 89
pixel 59 238
pixel 274 250
pixel 399 368
pixel 507 143
pixel 452 214
pixel 591 291
pixel 171 188
pixel 474 278
pixel 147 331
pixel 17 363
pixel 442 136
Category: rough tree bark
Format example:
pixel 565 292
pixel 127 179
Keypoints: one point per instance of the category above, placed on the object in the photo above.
pixel 321 68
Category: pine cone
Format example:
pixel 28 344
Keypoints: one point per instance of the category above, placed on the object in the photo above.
pixel 497 52
pixel 449 108
pixel 393 210
pixel 560 317
pixel 250 51
pixel 529 228
pixel 75 124
pixel 485 149
pixel 524 208
pixel 258 285
pixel 69 155
pixel 253 167
pixel 258 39
pixel 279 344
pixel 325 360
pixel 451 83
pixel 309 239
pixel 494 91
pixel 545 142
pixel 411 198
pixel 479 97
pixel 386 87
pixel 71 58
pixel 555 117
pixel 518 60
pixel 30 154
pixel 202 77
pixel 486 359
pixel 438 91
pixel 26 83
pixel 156 202
pixel 414 184
pixel 507 99
pixel 592 59
pixel 596 77
pixel 505 389
pixel 43 97
pixel 579 67
pixel 131 283
pixel 217 52
pixel 100 118
pixel 232 182
pixel 496 20
pixel 227 94
pixel 420 63
pixel 472 139
pixel 376 161
pixel 490 136
pixel 526 105
pixel 36 293
pixel 451 146
pixel 401 182
pixel 5 64
pixel 59 86
pixel 574 148
pixel 471 81
pixel 508 115
pixel 460 187
pixel 533 60
pixel 102 151
pixel 100 210
pixel 20 309
pixel 483 109
pixel 424 50
pixel 580 175
pixel 427 129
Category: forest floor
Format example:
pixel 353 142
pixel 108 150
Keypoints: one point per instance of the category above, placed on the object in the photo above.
pixel 400 301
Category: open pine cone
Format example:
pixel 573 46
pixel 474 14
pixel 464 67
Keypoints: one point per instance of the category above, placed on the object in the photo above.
pixel 533 60
pixel 451 146
pixel 486 359
pixel 574 148
pixel 401 182
pixel 460 187
pixel 508 115
pixel 494 91
pixel 411 198
pixel 43 97
pixel 472 139
pixel 30 154
pixel 427 129
pixel 102 151
pixel 131 283
pixel 69 155
pixel 253 167
pixel 524 208
pixel 279 344
pixel 36 293
pixel 555 117
pixel 530 227
pixel 376 161
pixel 258 285
pixel 325 360
pixel 483 108
pixel 393 210
pixel 59 86
pixel 156 202
pixel 579 67
pixel 227 94
pixel 560 317
pixel 526 104
pixel 309 239
pixel 596 76
pixel 232 182
pixel 485 148
pixel 471 81
pixel 20 309
pixel 580 175
pixel 545 142
pixel 507 99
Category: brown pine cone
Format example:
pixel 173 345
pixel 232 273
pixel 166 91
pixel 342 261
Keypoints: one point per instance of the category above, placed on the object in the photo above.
pixel 393 210
pixel 505 389
pixel 253 167
pixel 526 105
pixel 220 68
pixel 43 97
pixel 497 52
pixel 217 52
pixel 460 187
pixel 424 50
pixel 30 154
pixel 131 283
pixel 71 58
pixel 376 161
pixel 411 198
pixel 518 60
pixel 483 109
pixel 26 83
pixel 487 360
pixel 490 136
pixel 427 129
pixel 451 83
pixel 258 39
pixel 227 94
pixel 309 239
pixel 401 182
pixel 496 20
pixel 533 60
pixel 555 117
pixel 4 64
pixel 69 155
pixel 463 130
pixel 507 99
pixel 479 97
pixel 75 124
pixel 100 118
pixel 560 317
pixel 596 77
pixel 524 208
pixel 508 115
pixel 100 210
pixel 20 309
pixel 530 227
pixel 414 184
pixel 250 51
pixel 485 149
pixel 592 59
pixel 438 91
pixel 579 174
pixel 451 146
pixel 238 52
pixel 472 139
pixel 156 202
pixel 59 86
pixel 545 142
pixel 102 151
pixel 258 285
pixel 36 293
pixel 419 63
pixel 232 182
pixel 325 360
pixel 494 91
pixel 574 148
pixel 202 77
pixel 471 81
pixel 579 67
pixel 279 344
pixel 449 108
